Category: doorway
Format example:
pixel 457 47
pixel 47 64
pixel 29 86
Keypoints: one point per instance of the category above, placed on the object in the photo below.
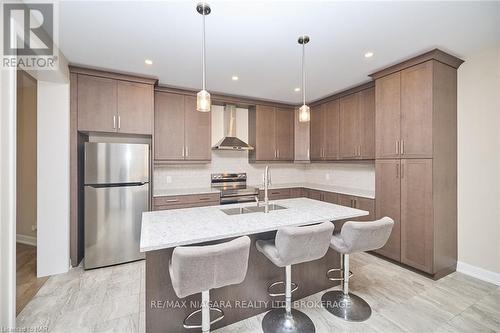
pixel 27 283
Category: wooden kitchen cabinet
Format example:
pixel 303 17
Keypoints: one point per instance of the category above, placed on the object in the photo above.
pixel 135 107
pixel 330 197
pixel 357 125
pixel 416 168
pixel 169 126
pixel 113 103
pixel 388 116
pixel 197 132
pixel 388 194
pixel 271 133
pixel 185 201
pixel 181 132
pixel 284 134
pixel 416 110
pixel 97 103
pixel 317 132
pixel 324 135
pixel 359 203
pixel 315 194
pixel 417 214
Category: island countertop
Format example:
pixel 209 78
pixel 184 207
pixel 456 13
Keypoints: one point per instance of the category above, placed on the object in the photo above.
pixel 171 228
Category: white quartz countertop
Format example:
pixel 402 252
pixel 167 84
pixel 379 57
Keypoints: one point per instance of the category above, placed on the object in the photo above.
pixel 184 191
pixel 170 228
pixel 322 187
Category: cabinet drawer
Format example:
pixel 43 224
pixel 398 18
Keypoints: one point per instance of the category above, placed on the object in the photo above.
pixel 187 205
pixel 176 200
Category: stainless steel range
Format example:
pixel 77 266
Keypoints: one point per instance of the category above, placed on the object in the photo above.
pixel 233 188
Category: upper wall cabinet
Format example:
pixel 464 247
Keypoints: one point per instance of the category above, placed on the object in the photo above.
pixel 357 125
pixel 181 133
pixel 324 137
pixel 113 103
pixel 407 106
pixel 271 133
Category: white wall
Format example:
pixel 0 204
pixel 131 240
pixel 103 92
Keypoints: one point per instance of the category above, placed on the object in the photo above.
pixel 479 162
pixel 53 178
pixel 358 175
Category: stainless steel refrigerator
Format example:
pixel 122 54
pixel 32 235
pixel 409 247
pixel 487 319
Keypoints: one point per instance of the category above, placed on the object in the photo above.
pixel 116 194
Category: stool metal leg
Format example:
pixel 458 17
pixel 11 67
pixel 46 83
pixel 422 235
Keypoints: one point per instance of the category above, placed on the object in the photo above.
pixel 287 320
pixel 205 312
pixel 343 304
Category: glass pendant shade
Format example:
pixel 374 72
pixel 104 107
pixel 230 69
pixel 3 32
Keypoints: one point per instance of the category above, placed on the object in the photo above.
pixel 203 101
pixel 304 114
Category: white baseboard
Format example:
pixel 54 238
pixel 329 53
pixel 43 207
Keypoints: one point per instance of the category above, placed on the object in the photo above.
pixel 478 273
pixel 28 240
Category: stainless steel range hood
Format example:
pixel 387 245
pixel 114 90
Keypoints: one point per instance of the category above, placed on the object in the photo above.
pixel 230 141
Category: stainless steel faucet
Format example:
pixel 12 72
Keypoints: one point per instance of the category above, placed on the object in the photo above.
pixel 267 182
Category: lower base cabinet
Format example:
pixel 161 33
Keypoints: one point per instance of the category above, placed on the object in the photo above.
pixel 185 201
pixel 425 233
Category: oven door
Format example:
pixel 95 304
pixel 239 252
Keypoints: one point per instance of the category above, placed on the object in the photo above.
pixel 237 199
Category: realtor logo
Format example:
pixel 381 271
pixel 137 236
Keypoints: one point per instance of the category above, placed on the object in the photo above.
pixel 28 36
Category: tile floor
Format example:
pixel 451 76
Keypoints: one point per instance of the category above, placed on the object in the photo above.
pixel 112 300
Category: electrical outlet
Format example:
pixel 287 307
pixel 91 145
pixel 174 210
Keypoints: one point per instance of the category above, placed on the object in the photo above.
pixel 169 179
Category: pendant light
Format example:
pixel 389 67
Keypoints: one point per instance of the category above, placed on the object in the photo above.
pixel 203 103
pixel 304 110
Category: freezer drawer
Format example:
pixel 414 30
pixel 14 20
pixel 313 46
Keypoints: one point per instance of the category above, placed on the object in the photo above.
pixel 113 224
pixel 113 163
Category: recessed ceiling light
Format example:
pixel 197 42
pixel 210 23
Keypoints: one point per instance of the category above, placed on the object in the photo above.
pixel 296 89
pixel 235 78
pixel 148 62
pixel 368 54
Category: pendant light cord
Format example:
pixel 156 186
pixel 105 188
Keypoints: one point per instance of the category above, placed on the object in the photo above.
pixel 203 54
pixel 303 74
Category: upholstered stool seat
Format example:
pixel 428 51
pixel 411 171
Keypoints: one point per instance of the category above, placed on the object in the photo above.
pixel 195 269
pixel 354 237
pixel 293 245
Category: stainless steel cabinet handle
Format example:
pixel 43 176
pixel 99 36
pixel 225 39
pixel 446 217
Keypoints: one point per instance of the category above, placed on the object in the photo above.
pixel 402 171
pixel 397 171
pixel 183 154
pixel 204 199
pixel 187 151
pixel 308 156
pixel 119 122
pixel 277 153
pixel 172 200
pixel 402 147
pixel 397 147
pixel 114 122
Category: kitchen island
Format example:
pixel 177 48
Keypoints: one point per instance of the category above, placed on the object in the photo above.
pixel 162 231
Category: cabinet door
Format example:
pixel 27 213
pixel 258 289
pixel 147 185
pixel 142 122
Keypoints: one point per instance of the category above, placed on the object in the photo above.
pixel 197 131
pixel 416 214
pixel 416 111
pixel 388 203
pixel 349 126
pixel 388 116
pixel 315 194
pixel 284 134
pixel 135 107
pixel 365 204
pixel 297 192
pixel 169 126
pixel 96 104
pixel 345 200
pixel 367 117
pixel 301 138
pixel 330 197
pixel 265 133
pixel 317 134
pixel 331 130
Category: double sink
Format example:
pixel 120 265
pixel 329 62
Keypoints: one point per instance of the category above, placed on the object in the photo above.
pixel 251 209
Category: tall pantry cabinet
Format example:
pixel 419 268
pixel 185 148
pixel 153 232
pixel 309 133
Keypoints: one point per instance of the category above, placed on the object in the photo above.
pixel 416 160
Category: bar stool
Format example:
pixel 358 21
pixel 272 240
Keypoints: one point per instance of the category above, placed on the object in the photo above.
pixel 195 269
pixel 354 237
pixel 293 245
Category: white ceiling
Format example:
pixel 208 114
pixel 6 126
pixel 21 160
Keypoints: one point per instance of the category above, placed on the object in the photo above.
pixel 257 41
